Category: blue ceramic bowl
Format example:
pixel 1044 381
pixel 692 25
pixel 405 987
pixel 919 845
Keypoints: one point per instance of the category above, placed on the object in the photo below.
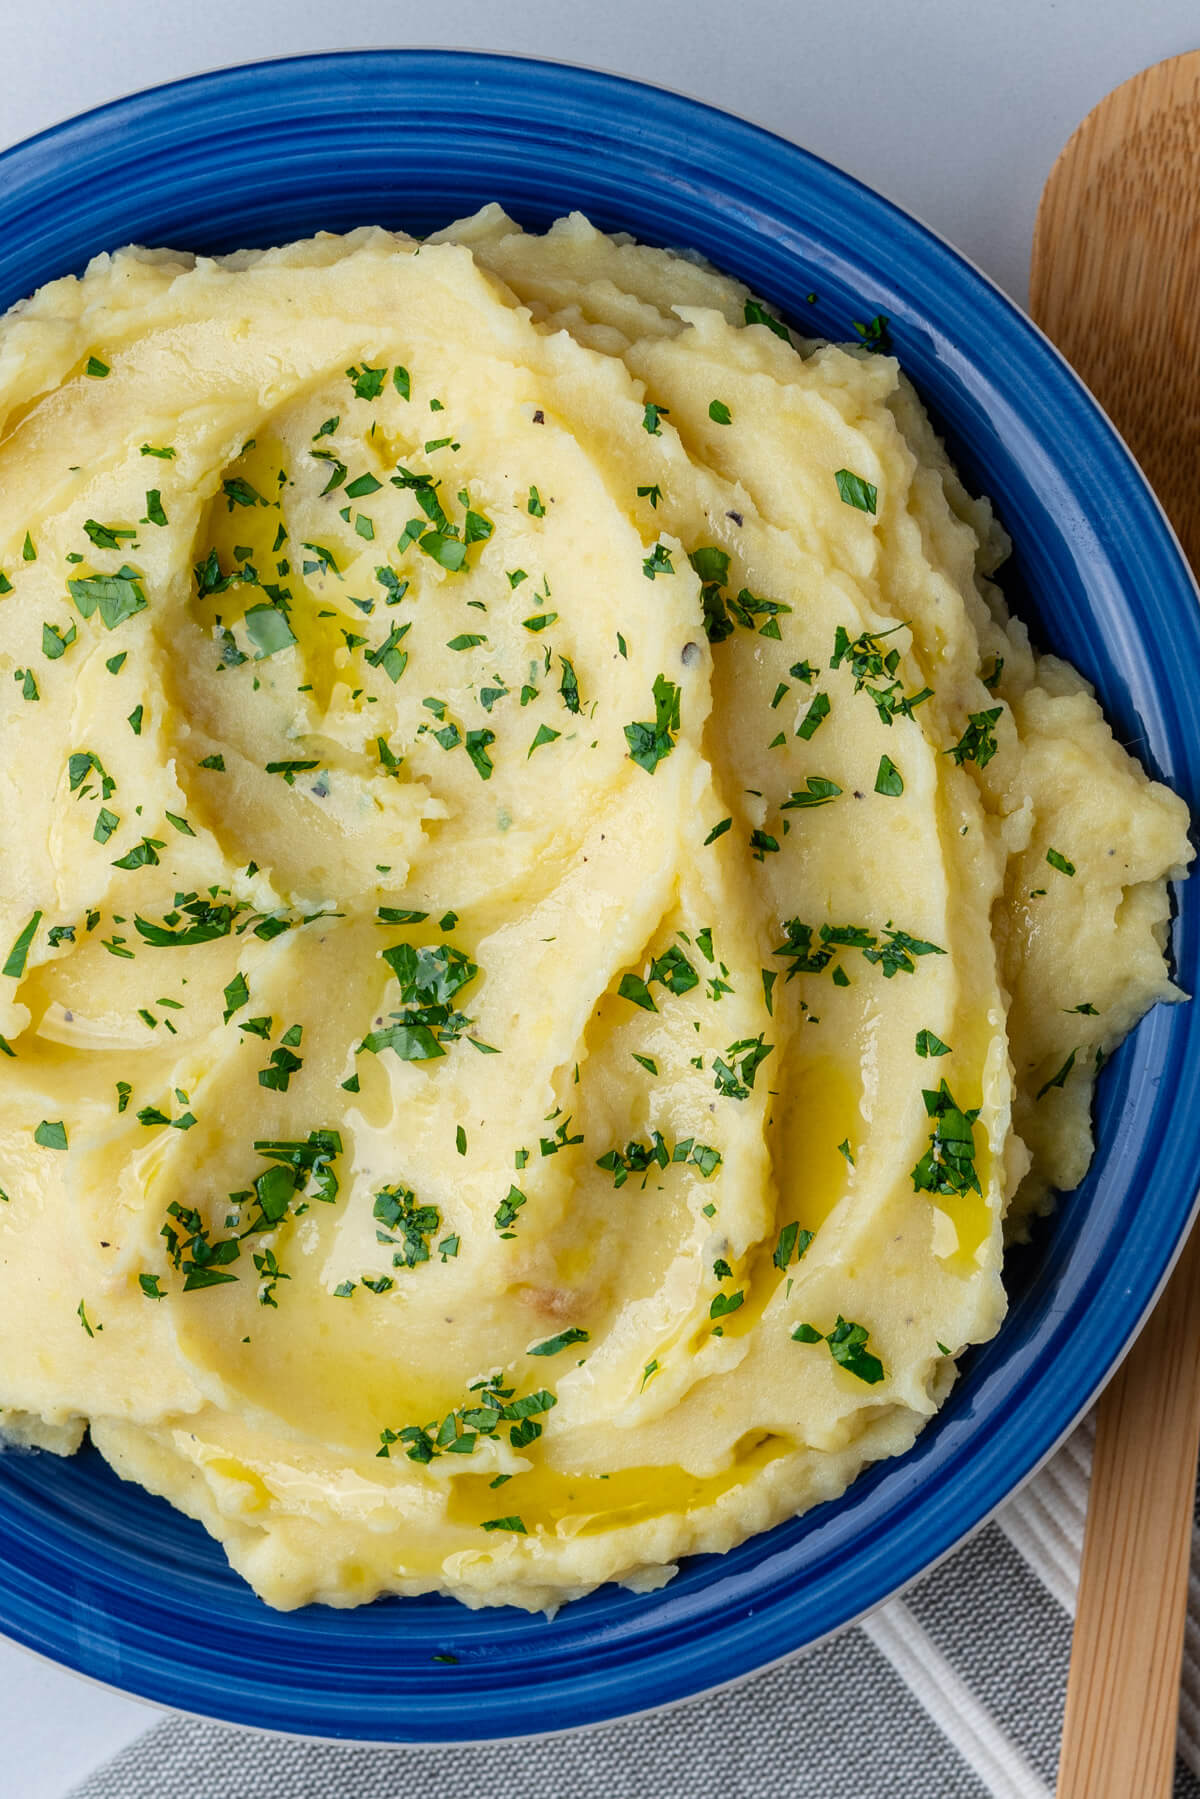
pixel 105 1579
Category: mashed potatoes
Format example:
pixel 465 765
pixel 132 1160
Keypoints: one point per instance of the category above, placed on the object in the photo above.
pixel 549 912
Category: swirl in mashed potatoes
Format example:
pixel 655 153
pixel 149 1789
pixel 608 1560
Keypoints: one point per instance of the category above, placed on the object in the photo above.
pixel 552 912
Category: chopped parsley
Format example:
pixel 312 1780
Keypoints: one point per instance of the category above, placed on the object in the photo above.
pixel 564 1340
pixel 874 333
pixel 639 1158
pixel 722 610
pixel 543 735
pixel 367 382
pixel 792 1245
pixel 658 562
pixel 978 742
pixel 506 1212
pixel 142 855
pixel 291 768
pixel 56 642
pixel 430 978
pixel 814 717
pixel 14 965
pixel 757 314
pixel 241 493
pixel 855 491
pixel 817 791
pixel 948 1165
pixel 733 1074
pixel 719 413
pixel 1057 860
pixel 895 953
pixel 118 596
pixel 400 1221
pixel 868 662
pixel 194 920
pixel 848 1347
pixel 237 994
pixel 650 743
pixel 888 780
pixel 268 630
pixel 930 1044
pixel 1059 1079
pixel 282 1064
pixel 569 686
pixel 671 970
pixel 459 1432
pixel 476 745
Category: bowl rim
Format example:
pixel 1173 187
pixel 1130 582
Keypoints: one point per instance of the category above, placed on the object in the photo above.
pixel 74 131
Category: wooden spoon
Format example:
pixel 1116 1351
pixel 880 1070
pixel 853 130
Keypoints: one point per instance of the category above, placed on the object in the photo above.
pixel 1115 282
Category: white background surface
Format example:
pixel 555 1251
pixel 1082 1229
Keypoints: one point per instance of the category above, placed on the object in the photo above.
pixel 954 108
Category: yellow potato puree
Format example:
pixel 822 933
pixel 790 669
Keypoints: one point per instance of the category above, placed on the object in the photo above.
pixel 549 911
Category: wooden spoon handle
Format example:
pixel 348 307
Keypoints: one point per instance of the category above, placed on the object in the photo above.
pixel 1123 1689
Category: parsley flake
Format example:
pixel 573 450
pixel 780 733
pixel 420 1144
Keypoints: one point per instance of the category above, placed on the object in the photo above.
pixel 818 791
pixel 650 743
pixel 848 1347
pixel 978 742
pixel 1059 1079
pixel 888 780
pixel 14 965
pixel 564 1340
pixel 855 491
pixel 948 1165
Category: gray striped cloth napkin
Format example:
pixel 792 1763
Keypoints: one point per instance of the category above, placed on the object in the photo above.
pixel 954 1691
